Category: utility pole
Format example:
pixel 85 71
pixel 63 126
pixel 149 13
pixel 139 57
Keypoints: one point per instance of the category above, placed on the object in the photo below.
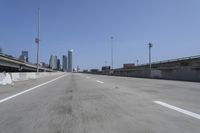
pixel 37 40
pixel 150 46
pixel 112 38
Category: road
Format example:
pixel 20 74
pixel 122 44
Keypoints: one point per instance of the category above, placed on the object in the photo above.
pixel 84 103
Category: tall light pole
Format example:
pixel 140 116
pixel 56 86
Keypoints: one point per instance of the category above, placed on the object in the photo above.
pixel 37 40
pixel 150 46
pixel 112 38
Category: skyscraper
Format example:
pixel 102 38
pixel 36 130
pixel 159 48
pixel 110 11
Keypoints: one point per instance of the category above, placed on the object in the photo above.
pixel 1 51
pixel 58 64
pixel 64 63
pixel 70 60
pixel 24 56
pixel 53 62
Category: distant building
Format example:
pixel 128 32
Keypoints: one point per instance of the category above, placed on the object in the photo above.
pixel 94 70
pixel 129 66
pixel 1 51
pixel 105 68
pixel 76 69
pixel 70 60
pixel 43 64
pixel 85 70
pixel 53 62
pixel 24 56
pixel 58 64
pixel 64 63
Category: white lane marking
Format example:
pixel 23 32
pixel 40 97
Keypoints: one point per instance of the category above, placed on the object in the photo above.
pixel 88 77
pixel 197 116
pixel 100 81
pixel 20 93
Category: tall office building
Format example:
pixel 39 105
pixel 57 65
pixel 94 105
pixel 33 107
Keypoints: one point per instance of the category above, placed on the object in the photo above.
pixel 53 62
pixel 58 64
pixel 24 56
pixel 70 60
pixel 1 51
pixel 64 63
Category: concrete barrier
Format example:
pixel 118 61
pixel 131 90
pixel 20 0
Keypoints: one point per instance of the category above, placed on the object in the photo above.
pixel 8 78
pixel 5 79
pixel 23 76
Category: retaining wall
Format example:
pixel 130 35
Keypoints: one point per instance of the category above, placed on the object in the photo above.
pixel 184 74
pixel 179 73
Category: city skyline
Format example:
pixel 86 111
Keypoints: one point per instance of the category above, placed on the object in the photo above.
pixel 54 61
pixel 172 26
pixel 24 55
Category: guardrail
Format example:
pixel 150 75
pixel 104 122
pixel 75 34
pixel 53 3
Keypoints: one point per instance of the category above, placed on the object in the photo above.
pixel 172 60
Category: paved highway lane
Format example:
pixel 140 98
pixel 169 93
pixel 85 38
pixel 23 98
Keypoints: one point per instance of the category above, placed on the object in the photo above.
pixel 83 103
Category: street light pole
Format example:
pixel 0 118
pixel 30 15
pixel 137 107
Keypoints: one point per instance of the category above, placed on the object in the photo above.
pixel 37 40
pixel 112 51
pixel 150 46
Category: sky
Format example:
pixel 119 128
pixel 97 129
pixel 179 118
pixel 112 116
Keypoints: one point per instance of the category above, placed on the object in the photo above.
pixel 172 26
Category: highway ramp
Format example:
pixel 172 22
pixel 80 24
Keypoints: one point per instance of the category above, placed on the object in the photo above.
pixel 84 103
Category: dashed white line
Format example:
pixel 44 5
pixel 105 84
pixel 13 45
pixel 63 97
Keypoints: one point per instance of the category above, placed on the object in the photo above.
pixel 88 77
pixel 100 81
pixel 197 116
pixel 20 93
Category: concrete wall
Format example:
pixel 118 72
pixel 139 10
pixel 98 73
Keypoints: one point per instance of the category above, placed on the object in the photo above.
pixel 156 74
pixel 22 76
pixel 8 78
pixel 135 73
pixel 179 73
pixel 185 74
pixel 30 75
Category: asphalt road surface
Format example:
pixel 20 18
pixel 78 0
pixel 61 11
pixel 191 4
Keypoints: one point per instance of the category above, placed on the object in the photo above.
pixel 83 103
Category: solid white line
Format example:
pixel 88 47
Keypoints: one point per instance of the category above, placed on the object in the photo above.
pixel 197 116
pixel 100 81
pixel 20 93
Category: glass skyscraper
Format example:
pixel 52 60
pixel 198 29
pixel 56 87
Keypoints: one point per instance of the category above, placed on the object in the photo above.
pixel 64 63
pixel 70 60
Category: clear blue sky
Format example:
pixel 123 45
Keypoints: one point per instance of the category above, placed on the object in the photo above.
pixel 173 26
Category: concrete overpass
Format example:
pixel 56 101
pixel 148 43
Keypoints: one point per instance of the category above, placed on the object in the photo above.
pixel 12 64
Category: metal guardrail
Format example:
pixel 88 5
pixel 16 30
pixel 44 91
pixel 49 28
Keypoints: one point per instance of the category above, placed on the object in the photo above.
pixel 172 60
